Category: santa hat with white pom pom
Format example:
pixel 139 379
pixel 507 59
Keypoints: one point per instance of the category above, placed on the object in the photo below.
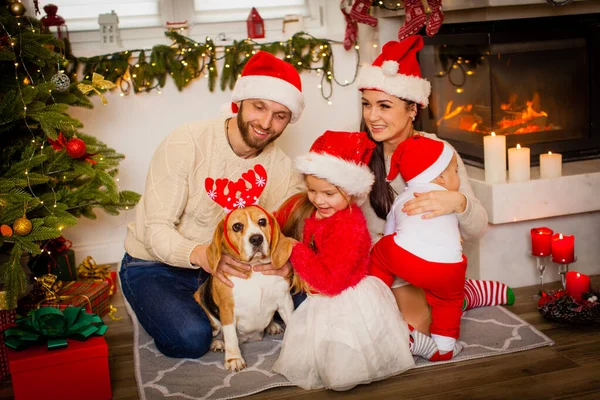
pixel 396 71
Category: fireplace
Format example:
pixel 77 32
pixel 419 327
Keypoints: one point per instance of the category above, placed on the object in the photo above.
pixel 529 79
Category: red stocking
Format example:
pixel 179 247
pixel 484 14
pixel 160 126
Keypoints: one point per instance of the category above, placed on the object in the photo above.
pixel 415 19
pixel 360 12
pixel 436 17
pixel 351 28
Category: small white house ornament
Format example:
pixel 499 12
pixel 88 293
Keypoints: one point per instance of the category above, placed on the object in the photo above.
pixel 109 29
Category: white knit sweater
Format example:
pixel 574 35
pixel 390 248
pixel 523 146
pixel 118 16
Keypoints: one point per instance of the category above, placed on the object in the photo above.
pixel 175 213
pixel 472 222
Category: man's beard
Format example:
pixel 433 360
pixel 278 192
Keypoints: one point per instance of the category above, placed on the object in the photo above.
pixel 252 141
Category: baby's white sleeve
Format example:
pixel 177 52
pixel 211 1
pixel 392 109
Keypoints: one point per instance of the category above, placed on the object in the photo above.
pixel 390 223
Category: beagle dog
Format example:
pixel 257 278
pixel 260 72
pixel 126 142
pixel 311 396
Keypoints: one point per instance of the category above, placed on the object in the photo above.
pixel 242 313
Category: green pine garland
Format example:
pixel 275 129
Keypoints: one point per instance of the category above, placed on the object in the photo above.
pixel 186 60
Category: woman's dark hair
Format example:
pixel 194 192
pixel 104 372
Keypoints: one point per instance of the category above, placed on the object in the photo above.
pixel 382 195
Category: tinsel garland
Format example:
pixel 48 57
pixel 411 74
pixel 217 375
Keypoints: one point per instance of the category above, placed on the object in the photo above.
pixel 144 70
pixel 559 306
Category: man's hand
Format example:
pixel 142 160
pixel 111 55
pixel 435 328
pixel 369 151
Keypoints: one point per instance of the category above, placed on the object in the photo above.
pixel 227 265
pixel 267 269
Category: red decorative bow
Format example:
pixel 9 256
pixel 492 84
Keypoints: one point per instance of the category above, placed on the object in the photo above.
pixel 238 194
pixel 61 143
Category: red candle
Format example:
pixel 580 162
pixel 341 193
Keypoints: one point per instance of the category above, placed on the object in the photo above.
pixel 577 284
pixel 563 248
pixel 541 241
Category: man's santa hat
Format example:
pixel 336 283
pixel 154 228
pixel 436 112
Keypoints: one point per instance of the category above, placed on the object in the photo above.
pixel 420 160
pixel 267 77
pixel 342 159
pixel 396 71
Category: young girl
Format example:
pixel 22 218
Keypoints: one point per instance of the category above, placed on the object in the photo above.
pixel 349 330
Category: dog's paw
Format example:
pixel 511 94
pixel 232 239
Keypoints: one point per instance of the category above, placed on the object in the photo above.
pixel 274 328
pixel 217 345
pixel 235 364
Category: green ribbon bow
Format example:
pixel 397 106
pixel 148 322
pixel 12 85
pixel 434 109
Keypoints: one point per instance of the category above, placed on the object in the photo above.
pixel 55 326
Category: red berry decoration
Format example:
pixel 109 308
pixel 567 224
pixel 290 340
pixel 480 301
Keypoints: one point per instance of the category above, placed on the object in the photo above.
pixel 76 148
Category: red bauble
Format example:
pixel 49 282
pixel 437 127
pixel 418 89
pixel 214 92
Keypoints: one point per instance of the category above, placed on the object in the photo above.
pixel 76 148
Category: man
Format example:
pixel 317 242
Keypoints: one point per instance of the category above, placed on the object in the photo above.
pixel 165 259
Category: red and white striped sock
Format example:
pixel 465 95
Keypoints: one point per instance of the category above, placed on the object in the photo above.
pixel 360 12
pixel 415 19
pixel 421 345
pixel 436 17
pixel 486 293
pixel 447 355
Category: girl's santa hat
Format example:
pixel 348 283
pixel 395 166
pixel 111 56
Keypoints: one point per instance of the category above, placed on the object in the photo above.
pixel 341 158
pixel 267 77
pixel 420 160
pixel 396 71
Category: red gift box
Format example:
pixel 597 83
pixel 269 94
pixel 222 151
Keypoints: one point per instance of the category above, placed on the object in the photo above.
pixel 78 371
pixel 7 320
pixel 91 295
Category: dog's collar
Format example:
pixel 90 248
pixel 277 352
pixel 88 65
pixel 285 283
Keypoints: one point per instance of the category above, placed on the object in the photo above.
pixel 225 227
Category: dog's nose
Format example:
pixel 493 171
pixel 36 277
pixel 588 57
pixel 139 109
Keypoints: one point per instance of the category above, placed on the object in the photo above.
pixel 256 240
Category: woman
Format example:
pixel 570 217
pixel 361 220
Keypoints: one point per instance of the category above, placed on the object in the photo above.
pixel 392 89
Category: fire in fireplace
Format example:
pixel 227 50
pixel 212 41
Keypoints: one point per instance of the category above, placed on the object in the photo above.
pixel 520 78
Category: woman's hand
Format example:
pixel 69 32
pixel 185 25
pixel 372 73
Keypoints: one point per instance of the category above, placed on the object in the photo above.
pixel 267 269
pixel 435 203
pixel 227 265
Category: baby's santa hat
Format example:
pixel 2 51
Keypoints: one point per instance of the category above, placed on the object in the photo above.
pixel 267 77
pixel 341 158
pixel 420 160
pixel 396 71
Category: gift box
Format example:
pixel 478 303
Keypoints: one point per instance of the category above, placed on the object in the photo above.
pixel 89 270
pixel 91 295
pixel 7 320
pixel 60 264
pixel 78 371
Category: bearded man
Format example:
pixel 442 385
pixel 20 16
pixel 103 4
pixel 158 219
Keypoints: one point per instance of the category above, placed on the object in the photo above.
pixel 165 259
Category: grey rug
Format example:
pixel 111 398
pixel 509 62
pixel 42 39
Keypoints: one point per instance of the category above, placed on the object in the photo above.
pixel 485 332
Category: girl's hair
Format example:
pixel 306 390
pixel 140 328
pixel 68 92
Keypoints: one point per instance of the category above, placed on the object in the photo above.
pixel 382 195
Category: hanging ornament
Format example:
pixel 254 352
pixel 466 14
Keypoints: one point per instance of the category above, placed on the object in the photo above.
pixel 61 81
pixel 16 9
pixel 98 84
pixel 76 147
pixel 22 226
pixel 6 230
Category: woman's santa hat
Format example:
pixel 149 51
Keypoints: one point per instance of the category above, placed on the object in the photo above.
pixel 342 159
pixel 267 77
pixel 420 160
pixel 396 71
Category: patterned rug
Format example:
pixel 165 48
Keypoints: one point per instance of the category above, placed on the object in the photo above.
pixel 485 332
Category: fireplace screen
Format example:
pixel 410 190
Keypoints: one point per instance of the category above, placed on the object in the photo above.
pixel 536 92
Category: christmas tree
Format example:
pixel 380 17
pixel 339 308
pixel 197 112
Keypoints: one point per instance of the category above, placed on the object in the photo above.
pixel 50 172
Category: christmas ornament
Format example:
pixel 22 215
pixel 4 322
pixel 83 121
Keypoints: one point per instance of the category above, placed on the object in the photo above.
pixel 22 226
pixel 351 28
pixel 360 12
pixel 415 19
pixel 76 148
pixel 61 81
pixel 16 9
pixel 6 230
pixel 98 83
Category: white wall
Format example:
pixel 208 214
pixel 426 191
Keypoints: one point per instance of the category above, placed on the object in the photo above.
pixel 134 125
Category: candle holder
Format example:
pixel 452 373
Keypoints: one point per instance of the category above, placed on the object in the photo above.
pixel 562 271
pixel 541 263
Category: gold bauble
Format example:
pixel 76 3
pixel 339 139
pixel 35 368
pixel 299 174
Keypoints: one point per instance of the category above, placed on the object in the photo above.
pixel 22 226
pixel 16 9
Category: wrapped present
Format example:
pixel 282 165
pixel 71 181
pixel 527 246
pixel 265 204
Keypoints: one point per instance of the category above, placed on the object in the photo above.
pixel 57 258
pixel 7 320
pixel 89 270
pixel 64 368
pixel 91 295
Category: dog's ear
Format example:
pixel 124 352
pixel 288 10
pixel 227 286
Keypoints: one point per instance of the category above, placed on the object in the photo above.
pixel 281 246
pixel 214 249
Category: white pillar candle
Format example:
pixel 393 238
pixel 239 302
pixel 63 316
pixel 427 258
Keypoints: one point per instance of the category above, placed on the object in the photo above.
pixel 550 165
pixel 518 163
pixel 494 158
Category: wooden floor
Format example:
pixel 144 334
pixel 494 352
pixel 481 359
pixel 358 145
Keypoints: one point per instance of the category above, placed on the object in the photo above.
pixel 568 370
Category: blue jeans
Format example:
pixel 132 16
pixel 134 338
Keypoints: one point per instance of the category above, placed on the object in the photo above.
pixel 162 298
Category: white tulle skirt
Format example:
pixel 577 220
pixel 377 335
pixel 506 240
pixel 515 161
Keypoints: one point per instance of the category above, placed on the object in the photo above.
pixel 356 337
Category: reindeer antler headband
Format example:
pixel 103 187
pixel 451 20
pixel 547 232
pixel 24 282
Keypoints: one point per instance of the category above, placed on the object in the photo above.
pixel 238 194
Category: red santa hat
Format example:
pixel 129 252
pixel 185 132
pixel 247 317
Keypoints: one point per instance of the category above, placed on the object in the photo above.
pixel 267 77
pixel 341 158
pixel 420 160
pixel 396 71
